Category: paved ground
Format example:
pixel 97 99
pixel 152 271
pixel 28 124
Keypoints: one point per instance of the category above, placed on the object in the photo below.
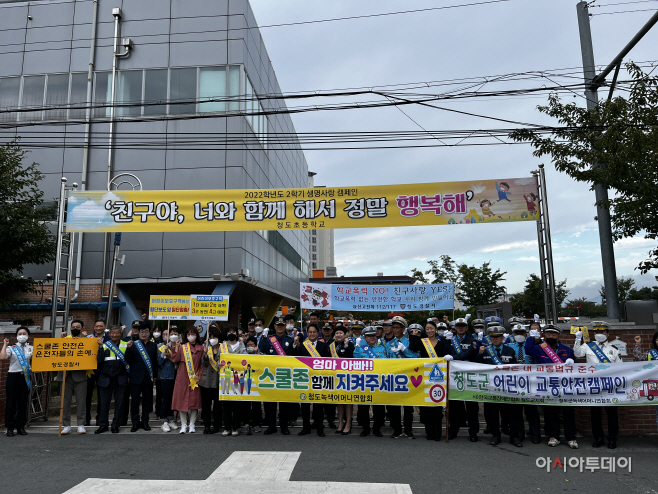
pixel 43 463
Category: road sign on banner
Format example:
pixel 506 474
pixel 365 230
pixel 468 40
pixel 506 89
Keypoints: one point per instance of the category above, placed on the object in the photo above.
pixel 169 307
pixel 209 307
pixel 420 382
pixel 64 354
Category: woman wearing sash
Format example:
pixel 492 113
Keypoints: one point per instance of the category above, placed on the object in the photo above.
pixel 231 409
pixel 187 394
pixel 211 408
pixel 167 377
pixel 342 347
pixel 18 381
pixel 311 347
pixel 429 347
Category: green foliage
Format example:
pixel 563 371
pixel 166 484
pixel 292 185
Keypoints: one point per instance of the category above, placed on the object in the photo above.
pixel 624 286
pixel 587 308
pixel 531 300
pixel 24 233
pixel 644 293
pixel 616 145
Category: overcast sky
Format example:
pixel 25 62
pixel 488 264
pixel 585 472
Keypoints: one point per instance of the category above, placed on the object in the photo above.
pixel 482 40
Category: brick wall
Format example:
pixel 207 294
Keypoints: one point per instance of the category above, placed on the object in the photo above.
pixel 87 292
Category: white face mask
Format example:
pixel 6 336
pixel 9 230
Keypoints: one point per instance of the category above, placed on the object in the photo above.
pixel 191 338
pixel 251 349
pixel 290 327
pixel 173 338
pixel 156 335
pixel 600 337
pixel 519 338
pixel 259 329
pixel 22 338
pixel 214 341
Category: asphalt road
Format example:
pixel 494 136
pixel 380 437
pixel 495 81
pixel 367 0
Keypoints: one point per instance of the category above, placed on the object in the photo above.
pixel 43 463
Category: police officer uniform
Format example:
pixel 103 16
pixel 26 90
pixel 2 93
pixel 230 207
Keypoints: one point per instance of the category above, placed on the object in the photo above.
pixel 377 351
pixel 112 382
pixel 141 382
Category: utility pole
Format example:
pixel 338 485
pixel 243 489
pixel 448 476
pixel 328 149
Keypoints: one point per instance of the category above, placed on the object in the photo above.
pixel 592 84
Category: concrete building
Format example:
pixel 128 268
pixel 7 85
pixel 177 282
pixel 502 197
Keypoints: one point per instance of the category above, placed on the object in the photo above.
pixel 321 245
pixel 187 97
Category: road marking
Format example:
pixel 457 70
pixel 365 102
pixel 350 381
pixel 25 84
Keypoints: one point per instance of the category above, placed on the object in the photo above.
pixel 264 472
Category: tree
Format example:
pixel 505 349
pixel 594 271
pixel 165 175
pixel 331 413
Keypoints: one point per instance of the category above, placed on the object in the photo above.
pixel 479 286
pixel 25 236
pixel 616 145
pixel 531 300
pixel 624 286
pixel 583 307
pixel 443 271
pixel 644 293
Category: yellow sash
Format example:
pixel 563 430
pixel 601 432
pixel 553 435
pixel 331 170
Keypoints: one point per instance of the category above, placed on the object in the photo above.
pixel 190 366
pixel 430 349
pixel 223 347
pixel 332 347
pixel 311 349
pixel 213 362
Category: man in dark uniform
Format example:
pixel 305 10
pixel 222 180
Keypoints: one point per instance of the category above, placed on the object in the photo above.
pixel 329 408
pixel 311 347
pixel 112 379
pixel 499 354
pixel 278 344
pixel 142 356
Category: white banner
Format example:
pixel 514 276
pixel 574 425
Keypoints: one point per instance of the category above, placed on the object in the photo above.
pixel 627 383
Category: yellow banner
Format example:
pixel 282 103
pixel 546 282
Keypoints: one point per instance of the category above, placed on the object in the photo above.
pixel 169 307
pixel 420 382
pixel 209 307
pixel 64 354
pixel 446 203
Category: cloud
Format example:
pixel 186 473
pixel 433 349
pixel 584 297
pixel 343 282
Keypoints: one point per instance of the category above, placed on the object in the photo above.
pixel 529 258
pixel 478 188
pixel 509 246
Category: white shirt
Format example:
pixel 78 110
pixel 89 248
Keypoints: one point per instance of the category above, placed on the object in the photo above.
pixel 14 365
pixel 583 350
pixel 234 347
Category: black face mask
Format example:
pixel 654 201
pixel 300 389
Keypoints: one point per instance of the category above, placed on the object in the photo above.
pixel 551 341
pixel 135 337
pixel 232 337
pixel 75 332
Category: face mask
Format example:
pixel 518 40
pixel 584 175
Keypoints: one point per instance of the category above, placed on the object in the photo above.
pixel 232 337
pixel 191 338
pixel 290 327
pixel 551 341
pixel 600 337
pixel 75 332
pixel 173 338
pixel 156 335
pixel 251 349
pixel 22 338
pixel 519 338
pixel 214 341
pixel 259 329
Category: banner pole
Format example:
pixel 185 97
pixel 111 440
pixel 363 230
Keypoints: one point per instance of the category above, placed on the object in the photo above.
pixel 61 404
pixel 447 400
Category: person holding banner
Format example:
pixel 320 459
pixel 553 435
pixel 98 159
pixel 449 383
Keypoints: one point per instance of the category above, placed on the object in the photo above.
pixel 17 385
pixel 371 348
pixel 167 377
pixel 142 356
pixel 600 351
pixel 211 408
pixel 402 350
pixel 231 409
pixel 76 383
pixel 461 346
pixel 187 394
pixel 311 347
pixel 113 371
pixel 277 344
pixel 551 351
pixel 341 347
pixel 428 347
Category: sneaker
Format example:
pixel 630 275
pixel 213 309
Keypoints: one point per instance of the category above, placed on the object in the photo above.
pixel 172 425
pixel 244 429
pixel 573 444
pixel 235 433
pixel 250 431
pixel 226 432
pixel 81 429
pixel 411 435
pixel 192 429
pixel 552 442
pixel 396 435
pixel 66 430
pixel 255 429
pixel 183 429
pixel 165 427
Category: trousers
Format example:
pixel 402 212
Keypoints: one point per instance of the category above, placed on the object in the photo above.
pixel 17 394
pixel 105 400
pixel 378 417
pixel 141 392
pixel 167 387
pixel 91 384
pixel 318 416
pixel 80 391
pixel 432 418
pixel 211 408
pixel 461 411
pixel 270 415
pixel 492 412
pixel 597 423
pixel 552 422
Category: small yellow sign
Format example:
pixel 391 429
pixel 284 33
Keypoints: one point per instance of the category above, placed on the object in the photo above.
pixel 209 307
pixel 575 329
pixel 169 307
pixel 64 354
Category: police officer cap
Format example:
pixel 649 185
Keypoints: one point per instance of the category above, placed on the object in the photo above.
pixel 136 324
pixel 493 321
pixel 478 323
pixel 552 328
pixel 252 321
pixel 327 326
pixel 379 326
pixel 441 325
pixel 515 320
pixel 600 326
pixel 387 323
pixel 415 326
pixel 358 325
pixel 495 331
pixel 279 321
pixel 461 322
pixel 369 331
pixel 399 320
pixel 519 327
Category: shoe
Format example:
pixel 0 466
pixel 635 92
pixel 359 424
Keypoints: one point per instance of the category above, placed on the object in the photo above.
pixel 206 430
pixel 183 429
pixel 165 427
pixel 255 429
pixel 344 433
pixel 66 430
pixel 21 432
pixel 191 428
pixel 598 443
pixel 378 433
pixel 535 439
pixel 115 430
pixel 364 433
pixel 10 433
pixel 495 441
pixel 146 426
pixel 552 442
pixel 573 444
pixel 331 425
pixel 173 425
pixel 515 441
pixel 395 435
pixel 473 438
pixel 101 429
pixel 411 435
pixel 285 432
pixel 338 431
pixel 269 431
pixel 134 428
pixel 81 429
pixel 226 432
pixel 487 431
pixel 321 434
pixel 304 431
pixel 250 431
pixel 611 444
pixel 453 435
pixel 235 433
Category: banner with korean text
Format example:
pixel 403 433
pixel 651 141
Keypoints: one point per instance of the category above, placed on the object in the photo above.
pixel 420 382
pixel 64 354
pixel 169 307
pixel 445 203
pixel 337 296
pixel 627 383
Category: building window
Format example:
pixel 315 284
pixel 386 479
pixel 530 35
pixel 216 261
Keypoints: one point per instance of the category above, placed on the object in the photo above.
pixel 34 87
pixel 314 240
pixel 102 94
pixel 315 265
pixel 78 96
pixel 182 88
pixel 130 93
pixel 57 95
pixel 10 90
pixel 314 232
pixel 234 87
pixel 212 86
pixel 314 257
pixel 314 248
pixel 155 92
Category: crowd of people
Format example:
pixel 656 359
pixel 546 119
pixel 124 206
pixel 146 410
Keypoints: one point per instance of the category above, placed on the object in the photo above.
pixel 188 376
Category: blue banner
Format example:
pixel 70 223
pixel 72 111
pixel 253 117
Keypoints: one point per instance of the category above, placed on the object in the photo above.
pixel 404 298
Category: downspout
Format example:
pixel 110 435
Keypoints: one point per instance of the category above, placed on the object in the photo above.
pixel 85 153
